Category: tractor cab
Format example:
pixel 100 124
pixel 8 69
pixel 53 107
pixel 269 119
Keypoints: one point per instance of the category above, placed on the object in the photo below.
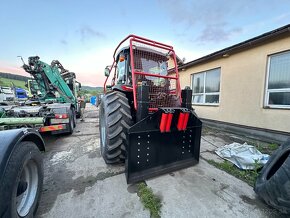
pixel 123 70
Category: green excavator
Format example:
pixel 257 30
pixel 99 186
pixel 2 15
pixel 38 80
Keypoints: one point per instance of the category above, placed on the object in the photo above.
pixel 54 109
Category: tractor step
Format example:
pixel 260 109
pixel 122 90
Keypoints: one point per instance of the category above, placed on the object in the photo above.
pixel 163 142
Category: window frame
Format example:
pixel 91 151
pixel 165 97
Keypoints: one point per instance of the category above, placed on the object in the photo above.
pixel 204 94
pixel 267 92
pixel 125 71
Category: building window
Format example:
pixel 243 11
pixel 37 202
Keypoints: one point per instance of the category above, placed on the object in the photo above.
pixel 278 81
pixel 206 87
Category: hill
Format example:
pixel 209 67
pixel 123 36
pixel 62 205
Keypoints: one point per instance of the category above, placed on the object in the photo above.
pixel 9 79
pixel 14 76
pixel 91 90
pixel 12 82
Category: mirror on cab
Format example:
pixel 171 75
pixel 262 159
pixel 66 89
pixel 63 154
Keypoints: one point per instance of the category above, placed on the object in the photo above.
pixel 107 72
pixel 78 86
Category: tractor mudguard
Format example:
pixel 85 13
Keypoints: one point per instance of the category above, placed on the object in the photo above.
pixel 10 138
pixel 162 142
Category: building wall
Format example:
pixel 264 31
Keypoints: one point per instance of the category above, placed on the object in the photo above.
pixel 242 88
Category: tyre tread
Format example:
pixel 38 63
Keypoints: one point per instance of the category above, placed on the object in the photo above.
pixel 25 149
pixel 117 113
pixel 275 187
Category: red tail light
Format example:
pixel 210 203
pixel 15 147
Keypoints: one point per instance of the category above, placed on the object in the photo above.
pixel 61 116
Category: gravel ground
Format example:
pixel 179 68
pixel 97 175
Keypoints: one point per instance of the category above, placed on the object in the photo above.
pixel 78 183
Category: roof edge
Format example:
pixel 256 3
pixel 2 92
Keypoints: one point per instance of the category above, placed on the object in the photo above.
pixel 240 45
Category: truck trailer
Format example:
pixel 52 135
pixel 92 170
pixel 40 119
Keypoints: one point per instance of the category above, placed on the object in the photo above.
pixel 54 109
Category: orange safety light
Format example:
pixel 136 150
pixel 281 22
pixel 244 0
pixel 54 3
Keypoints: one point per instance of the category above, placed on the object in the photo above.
pixel 121 58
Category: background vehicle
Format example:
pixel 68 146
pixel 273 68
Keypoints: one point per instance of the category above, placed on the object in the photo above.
pixel 21 172
pixel 33 88
pixel 98 99
pixel 21 94
pixel 145 118
pixel 6 94
pixel 54 109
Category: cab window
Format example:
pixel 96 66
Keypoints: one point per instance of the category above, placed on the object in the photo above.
pixel 121 72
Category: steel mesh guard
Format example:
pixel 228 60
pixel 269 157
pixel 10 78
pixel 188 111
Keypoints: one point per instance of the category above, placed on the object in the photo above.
pixel 154 65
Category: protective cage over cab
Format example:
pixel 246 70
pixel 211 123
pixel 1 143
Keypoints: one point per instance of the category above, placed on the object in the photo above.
pixel 145 118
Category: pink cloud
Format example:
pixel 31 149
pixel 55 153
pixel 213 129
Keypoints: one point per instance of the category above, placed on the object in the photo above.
pixel 7 68
pixel 90 78
pixel 86 78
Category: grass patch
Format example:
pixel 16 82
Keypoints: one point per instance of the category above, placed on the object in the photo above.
pixel 268 148
pixel 248 176
pixel 205 131
pixel 149 200
pixel 10 82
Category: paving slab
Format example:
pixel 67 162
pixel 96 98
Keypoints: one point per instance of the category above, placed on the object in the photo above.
pixel 86 128
pixel 207 146
pixel 216 141
pixel 211 156
pixel 107 198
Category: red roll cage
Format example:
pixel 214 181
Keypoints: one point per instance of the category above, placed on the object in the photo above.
pixel 137 39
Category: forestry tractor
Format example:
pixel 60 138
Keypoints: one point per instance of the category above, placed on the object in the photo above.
pixel 146 120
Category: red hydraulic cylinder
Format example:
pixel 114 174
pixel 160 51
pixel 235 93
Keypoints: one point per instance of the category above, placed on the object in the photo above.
pixel 180 121
pixel 186 117
pixel 168 123
pixel 163 122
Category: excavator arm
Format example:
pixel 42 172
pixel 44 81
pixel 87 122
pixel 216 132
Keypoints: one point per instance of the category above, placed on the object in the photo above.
pixel 51 80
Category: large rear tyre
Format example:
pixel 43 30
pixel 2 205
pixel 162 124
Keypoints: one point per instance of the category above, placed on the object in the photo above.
pixel 115 119
pixel 21 187
pixel 273 183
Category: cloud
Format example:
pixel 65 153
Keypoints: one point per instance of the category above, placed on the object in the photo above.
pixel 89 68
pixel 87 32
pixel 213 18
pixel 8 67
pixel 217 33
pixel 63 41
pixel 282 18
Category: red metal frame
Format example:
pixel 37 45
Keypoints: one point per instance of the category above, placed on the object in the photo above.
pixel 155 75
pixel 134 38
pixel 114 59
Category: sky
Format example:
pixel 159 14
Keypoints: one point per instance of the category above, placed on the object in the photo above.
pixel 83 35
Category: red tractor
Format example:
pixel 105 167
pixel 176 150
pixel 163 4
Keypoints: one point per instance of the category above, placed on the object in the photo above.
pixel 146 120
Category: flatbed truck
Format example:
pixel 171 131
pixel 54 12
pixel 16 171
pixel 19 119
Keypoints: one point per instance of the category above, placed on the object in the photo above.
pixel 54 109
